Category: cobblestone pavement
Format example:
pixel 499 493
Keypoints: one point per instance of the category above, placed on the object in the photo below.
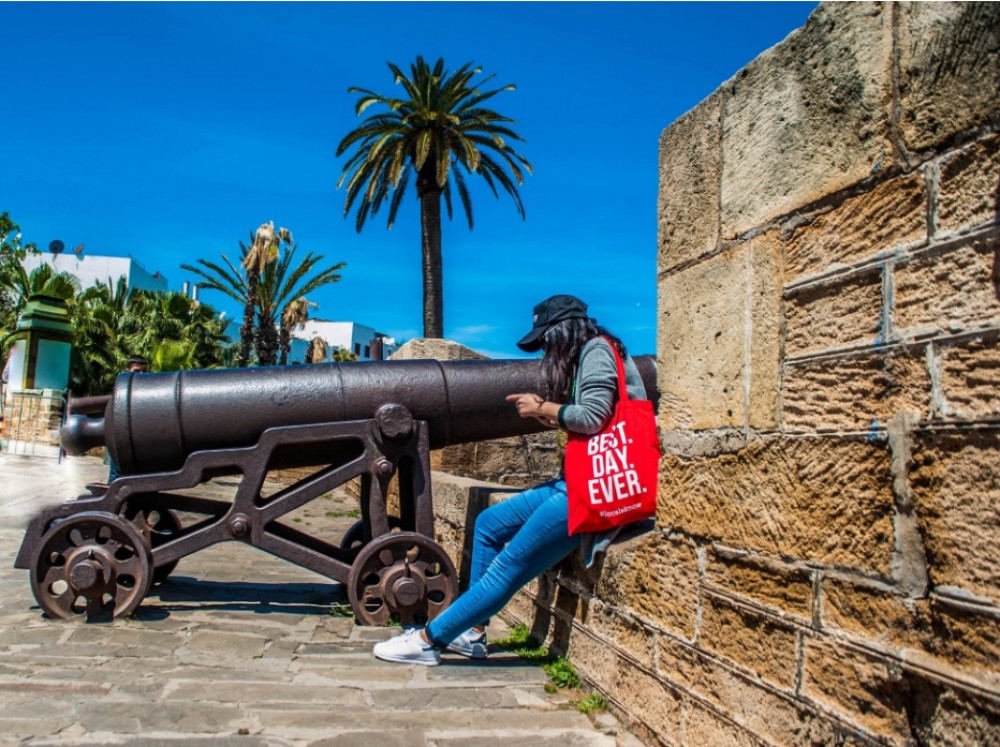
pixel 240 648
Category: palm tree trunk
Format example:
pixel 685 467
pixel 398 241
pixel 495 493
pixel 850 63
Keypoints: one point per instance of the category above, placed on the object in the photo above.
pixel 246 331
pixel 266 342
pixel 284 344
pixel 430 245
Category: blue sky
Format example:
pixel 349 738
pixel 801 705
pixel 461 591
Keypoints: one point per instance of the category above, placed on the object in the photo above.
pixel 169 131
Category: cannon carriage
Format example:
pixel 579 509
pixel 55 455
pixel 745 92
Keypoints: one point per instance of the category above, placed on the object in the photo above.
pixel 97 556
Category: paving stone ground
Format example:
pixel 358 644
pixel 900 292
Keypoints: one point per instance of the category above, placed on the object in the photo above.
pixel 240 648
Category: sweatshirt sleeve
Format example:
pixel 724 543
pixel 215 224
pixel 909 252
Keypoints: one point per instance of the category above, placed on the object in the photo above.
pixel 596 388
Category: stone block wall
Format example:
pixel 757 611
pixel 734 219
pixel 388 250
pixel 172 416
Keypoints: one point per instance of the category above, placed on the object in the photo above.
pixel 826 563
pixel 33 417
pixel 519 461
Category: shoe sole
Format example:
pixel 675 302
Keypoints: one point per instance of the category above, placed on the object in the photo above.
pixel 476 652
pixel 405 660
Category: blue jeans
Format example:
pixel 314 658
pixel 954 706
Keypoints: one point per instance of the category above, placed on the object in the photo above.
pixel 113 472
pixel 514 542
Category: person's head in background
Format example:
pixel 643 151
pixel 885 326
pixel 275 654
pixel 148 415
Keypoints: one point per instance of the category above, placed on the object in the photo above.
pixel 137 364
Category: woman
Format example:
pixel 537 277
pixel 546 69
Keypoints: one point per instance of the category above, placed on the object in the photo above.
pixel 518 539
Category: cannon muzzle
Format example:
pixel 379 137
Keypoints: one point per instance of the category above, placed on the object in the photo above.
pixel 79 434
pixel 154 421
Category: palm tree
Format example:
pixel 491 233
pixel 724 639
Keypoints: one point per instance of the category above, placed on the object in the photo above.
pixel 100 313
pixel 12 253
pixel 262 253
pixel 175 318
pixel 172 355
pixel 296 313
pixel 280 282
pixel 43 280
pixel 316 352
pixel 113 322
pixel 441 126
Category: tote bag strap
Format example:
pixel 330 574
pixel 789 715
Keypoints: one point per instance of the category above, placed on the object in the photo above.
pixel 622 389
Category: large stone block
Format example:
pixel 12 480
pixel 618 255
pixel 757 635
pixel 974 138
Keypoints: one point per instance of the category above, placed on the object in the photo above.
pixel 863 689
pixel 890 216
pixel 763 341
pixel 949 69
pixel 874 611
pixel 657 578
pixel 967 637
pixel 633 637
pixel 648 698
pixel 594 660
pixel 855 393
pixel 703 726
pixel 756 642
pixel 950 291
pixel 969 380
pixel 967 187
pixel 519 461
pixel 834 315
pixel 770 584
pixel 955 480
pixel 942 715
pixel 435 349
pixel 522 608
pixel 719 339
pixel 700 346
pixel 826 500
pixel 808 117
pixel 688 207
pixel 777 719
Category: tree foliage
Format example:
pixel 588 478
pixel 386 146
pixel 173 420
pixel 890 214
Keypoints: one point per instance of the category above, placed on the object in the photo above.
pixel 112 323
pixel 439 132
pixel 12 254
pixel 110 320
pixel 265 288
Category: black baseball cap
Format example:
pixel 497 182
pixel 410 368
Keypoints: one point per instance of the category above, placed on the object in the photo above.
pixel 548 312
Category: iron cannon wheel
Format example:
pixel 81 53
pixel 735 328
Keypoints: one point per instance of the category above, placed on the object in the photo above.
pixel 354 538
pixel 157 525
pixel 401 577
pixel 92 565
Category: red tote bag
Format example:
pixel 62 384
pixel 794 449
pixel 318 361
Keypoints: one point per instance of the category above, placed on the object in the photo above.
pixel 611 476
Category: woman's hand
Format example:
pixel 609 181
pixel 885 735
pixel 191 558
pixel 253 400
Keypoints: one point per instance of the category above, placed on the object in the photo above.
pixel 533 406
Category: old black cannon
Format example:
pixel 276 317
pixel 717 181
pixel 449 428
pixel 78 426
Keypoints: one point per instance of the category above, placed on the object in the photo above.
pixel 97 556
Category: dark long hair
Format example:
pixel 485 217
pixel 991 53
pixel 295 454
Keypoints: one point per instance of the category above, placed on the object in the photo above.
pixel 562 343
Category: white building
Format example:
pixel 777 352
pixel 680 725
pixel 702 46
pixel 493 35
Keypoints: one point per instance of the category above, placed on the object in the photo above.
pixel 351 336
pixel 91 269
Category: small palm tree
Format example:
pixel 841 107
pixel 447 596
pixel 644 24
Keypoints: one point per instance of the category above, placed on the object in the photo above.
pixel 112 322
pixel 172 355
pixel 263 251
pixel 435 136
pixel 296 313
pixel 317 350
pixel 281 281
pixel 343 355
pixel 12 253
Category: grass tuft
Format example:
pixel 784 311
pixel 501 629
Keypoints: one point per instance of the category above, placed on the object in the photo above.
pixel 592 703
pixel 560 670
pixel 341 609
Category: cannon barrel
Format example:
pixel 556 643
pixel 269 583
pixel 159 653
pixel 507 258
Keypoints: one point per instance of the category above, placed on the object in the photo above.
pixel 87 405
pixel 154 421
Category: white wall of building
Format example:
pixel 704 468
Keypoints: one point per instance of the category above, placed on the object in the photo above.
pixel 91 269
pixel 345 335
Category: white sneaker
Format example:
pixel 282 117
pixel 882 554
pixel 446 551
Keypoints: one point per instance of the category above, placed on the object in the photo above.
pixel 471 643
pixel 408 648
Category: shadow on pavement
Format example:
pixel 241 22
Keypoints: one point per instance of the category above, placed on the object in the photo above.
pixel 183 592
